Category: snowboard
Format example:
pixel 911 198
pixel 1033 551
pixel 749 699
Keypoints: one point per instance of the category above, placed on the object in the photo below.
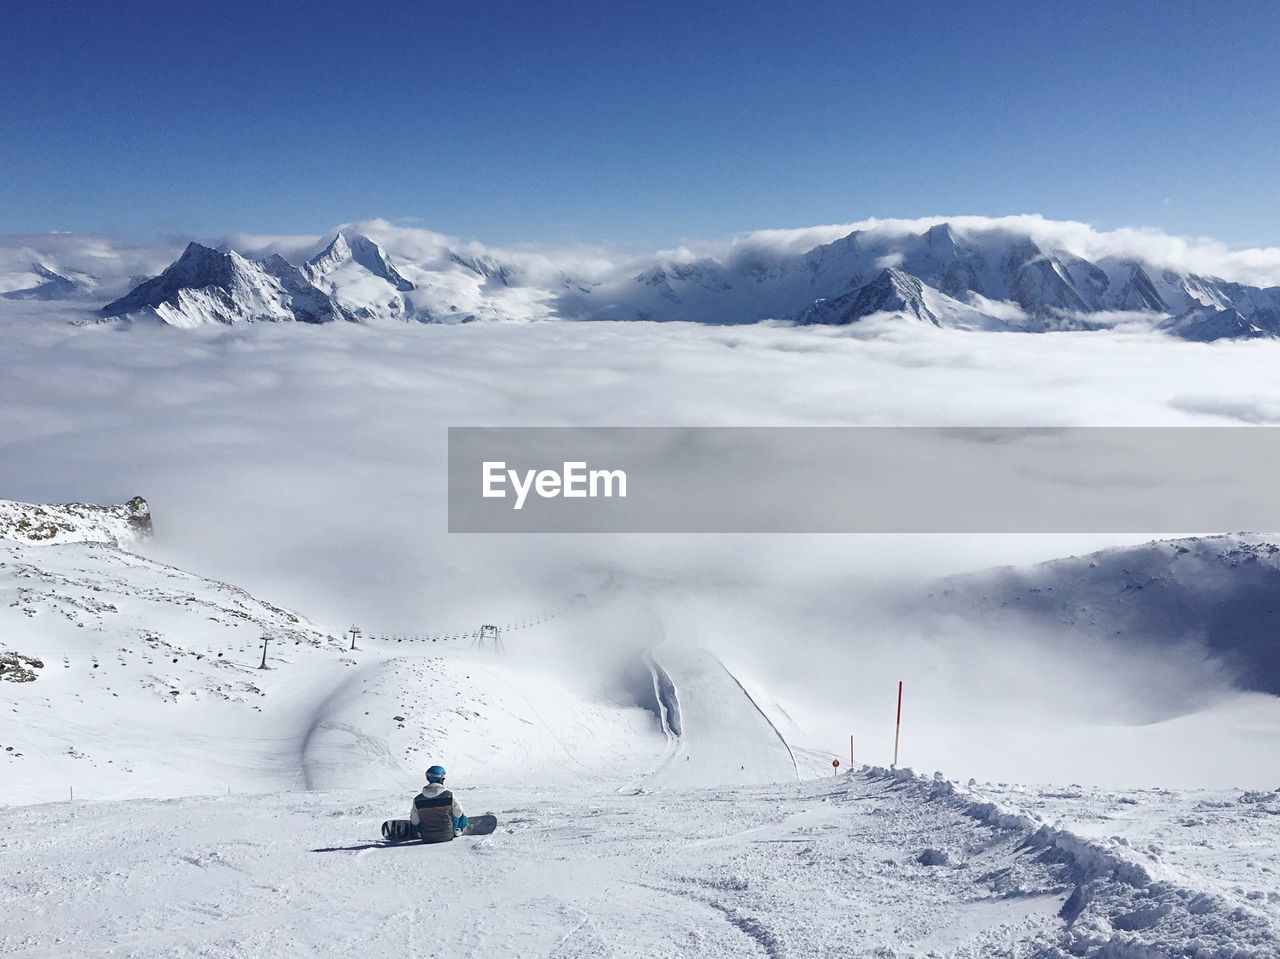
pixel 401 830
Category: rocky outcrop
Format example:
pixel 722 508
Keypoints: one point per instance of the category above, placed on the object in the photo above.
pixel 124 525
pixel 16 668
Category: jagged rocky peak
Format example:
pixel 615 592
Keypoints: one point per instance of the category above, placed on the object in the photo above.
pixel 205 286
pixel 331 257
pixel 308 302
pixel 1038 282
pixel 942 240
pixel 892 291
pixel 948 263
pixel 199 263
pixel 484 265
pixel 43 524
pixel 138 515
pixel 1139 292
pixel 198 267
pixel 357 248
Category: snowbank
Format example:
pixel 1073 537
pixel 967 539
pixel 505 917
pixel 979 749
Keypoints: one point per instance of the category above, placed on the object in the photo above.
pixel 1120 907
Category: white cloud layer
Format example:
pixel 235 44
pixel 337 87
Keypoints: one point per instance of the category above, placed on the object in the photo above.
pixel 112 260
pixel 1205 255
pixel 308 464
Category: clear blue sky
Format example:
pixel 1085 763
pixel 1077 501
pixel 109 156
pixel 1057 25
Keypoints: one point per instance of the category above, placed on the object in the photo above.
pixel 637 122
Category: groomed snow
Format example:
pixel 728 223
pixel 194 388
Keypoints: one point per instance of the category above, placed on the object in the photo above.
pixel 868 866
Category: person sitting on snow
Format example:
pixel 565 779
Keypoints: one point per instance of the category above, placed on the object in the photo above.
pixel 436 816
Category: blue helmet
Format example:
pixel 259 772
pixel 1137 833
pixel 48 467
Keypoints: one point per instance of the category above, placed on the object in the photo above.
pixel 435 774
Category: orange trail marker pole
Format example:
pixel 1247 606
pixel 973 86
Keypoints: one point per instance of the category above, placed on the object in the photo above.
pixel 897 726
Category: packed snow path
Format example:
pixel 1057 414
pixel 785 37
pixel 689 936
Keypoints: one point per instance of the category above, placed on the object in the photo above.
pixel 852 867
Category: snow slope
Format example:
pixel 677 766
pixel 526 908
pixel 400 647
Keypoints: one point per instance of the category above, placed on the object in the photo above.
pixel 670 824
pixel 1216 595
pixel 723 736
pixel 873 865
pixel 359 275
pixel 486 718
pixel 150 683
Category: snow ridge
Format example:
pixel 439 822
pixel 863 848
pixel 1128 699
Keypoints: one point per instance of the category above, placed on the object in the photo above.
pixel 357 248
pixel 48 285
pixel 1118 908
pixel 945 276
pixel 964 276
pixel 1216 592
pixel 206 286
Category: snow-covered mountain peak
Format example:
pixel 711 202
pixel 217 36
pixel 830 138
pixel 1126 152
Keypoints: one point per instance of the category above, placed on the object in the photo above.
pixel 988 274
pixel 198 263
pixel 942 240
pixel 359 275
pixel 359 249
pixel 46 283
pixel 373 258
pixel 892 291
pixel 332 256
pixel 205 286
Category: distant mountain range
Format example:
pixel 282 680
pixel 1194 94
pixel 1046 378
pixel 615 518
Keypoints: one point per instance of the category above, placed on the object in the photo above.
pixel 944 276
pixel 993 277
pixel 352 279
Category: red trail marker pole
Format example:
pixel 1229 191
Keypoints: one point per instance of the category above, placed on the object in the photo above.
pixel 897 726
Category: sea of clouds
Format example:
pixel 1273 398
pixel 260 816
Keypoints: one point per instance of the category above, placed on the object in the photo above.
pixel 308 465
